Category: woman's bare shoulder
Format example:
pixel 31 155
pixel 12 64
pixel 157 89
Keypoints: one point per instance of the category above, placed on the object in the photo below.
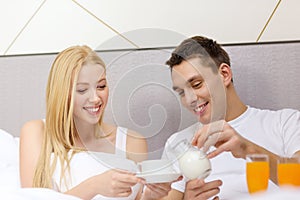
pixel 32 129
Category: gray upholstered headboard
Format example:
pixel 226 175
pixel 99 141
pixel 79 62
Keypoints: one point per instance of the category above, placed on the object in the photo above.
pixel 141 98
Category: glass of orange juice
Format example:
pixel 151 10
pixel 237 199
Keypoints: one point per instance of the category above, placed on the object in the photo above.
pixel 288 171
pixel 257 172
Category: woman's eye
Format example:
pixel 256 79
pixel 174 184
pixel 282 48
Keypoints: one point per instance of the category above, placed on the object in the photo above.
pixel 81 90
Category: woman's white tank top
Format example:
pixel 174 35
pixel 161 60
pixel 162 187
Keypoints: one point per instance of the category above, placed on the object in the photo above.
pixel 84 165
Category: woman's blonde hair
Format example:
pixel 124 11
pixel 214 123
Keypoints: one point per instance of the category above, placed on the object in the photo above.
pixel 60 131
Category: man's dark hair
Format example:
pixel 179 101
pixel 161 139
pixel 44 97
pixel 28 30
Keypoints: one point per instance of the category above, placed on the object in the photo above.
pixel 199 47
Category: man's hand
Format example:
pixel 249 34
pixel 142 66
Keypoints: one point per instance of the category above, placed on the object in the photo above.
pixel 225 138
pixel 197 189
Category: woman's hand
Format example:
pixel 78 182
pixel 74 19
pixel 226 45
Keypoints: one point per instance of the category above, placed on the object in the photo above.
pixel 115 183
pixel 158 190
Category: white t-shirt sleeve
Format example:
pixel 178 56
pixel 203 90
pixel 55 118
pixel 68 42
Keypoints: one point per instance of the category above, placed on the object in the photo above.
pixel 290 123
pixel 179 185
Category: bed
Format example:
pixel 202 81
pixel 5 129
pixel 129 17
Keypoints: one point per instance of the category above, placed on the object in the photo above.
pixel 10 185
pixel 9 174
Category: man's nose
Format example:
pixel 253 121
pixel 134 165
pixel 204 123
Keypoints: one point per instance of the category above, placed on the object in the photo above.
pixel 191 97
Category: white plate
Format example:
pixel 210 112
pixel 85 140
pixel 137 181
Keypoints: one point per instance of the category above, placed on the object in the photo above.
pixel 159 178
pixel 113 161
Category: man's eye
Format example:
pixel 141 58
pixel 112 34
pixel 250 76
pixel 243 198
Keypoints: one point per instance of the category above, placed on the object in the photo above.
pixel 197 85
pixel 181 93
pixel 101 86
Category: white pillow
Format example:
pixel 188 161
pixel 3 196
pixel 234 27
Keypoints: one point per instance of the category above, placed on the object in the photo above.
pixel 9 148
pixel 9 161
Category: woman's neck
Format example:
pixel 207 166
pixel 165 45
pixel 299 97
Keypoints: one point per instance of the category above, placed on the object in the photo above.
pixel 95 137
pixel 86 132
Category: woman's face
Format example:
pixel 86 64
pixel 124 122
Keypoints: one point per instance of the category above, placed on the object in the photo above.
pixel 91 94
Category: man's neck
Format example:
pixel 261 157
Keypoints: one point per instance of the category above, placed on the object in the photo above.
pixel 235 107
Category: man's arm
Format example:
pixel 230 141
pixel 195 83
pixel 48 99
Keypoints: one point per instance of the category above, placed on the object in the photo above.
pixel 196 189
pixel 229 140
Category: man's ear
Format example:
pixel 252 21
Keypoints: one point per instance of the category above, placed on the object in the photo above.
pixel 226 73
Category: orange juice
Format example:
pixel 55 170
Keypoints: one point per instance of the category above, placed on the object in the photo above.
pixel 288 174
pixel 257 176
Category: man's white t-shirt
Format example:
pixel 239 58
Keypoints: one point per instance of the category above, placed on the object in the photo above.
pixel 276 131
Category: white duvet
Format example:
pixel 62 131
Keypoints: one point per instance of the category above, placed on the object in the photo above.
pixel 33 194
pixel 9 175
pixel 10 184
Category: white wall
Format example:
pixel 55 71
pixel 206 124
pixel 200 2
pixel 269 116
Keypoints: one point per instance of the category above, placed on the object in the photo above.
pixel 39 26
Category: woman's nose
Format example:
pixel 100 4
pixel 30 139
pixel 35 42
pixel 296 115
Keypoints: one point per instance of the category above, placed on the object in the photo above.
pixel 94 97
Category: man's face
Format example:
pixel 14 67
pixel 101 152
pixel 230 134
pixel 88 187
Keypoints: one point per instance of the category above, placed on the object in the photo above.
pixel 200 89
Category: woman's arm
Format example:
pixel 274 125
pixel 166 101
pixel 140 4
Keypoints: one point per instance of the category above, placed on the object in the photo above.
pixel 112 183
pixel 31 139
pixel 137 148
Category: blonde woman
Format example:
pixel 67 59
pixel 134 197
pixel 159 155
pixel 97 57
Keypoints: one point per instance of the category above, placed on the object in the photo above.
pixel 76 97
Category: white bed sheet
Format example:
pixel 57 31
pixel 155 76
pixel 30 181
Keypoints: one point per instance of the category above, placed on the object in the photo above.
pixel 34 193
pixel 10 185
pixel 281 194
pixel 9 161
pixel 10 188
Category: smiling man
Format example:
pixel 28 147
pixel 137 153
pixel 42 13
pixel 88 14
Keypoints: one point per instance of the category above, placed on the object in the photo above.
pixel 228 129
